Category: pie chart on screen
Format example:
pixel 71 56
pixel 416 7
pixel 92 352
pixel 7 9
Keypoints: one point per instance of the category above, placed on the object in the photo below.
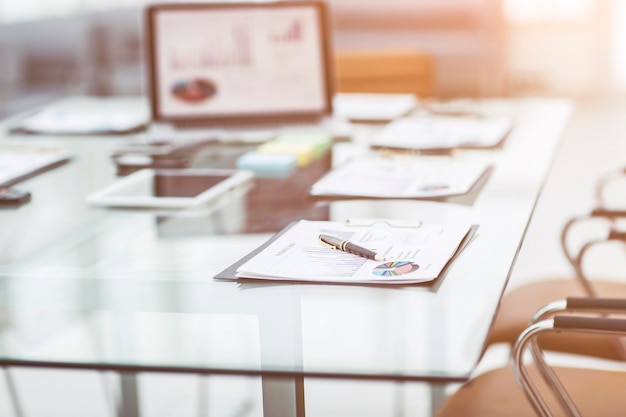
pixel 196 90
pixel 395 268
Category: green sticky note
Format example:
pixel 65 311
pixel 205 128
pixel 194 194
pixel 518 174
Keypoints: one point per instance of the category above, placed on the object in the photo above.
pixel 320 142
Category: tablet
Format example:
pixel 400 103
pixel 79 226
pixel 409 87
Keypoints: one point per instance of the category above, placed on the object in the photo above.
pixel 171 189
pixel 231 62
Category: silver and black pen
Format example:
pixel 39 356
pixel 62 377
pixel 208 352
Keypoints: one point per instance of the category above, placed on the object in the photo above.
pixel 347 246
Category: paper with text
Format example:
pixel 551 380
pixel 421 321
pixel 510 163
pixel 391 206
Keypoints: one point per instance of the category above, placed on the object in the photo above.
pixel 437 132
pixel 18 163
pixel 413 254
pixel 424 177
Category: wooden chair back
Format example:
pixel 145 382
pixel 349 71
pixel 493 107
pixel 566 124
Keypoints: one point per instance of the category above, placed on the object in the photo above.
pixel 385 72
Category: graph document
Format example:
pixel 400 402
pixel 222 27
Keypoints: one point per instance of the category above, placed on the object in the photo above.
pixel 239 61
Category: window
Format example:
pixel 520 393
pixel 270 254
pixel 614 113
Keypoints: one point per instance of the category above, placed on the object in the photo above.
pixel 13 10
pixel 535 11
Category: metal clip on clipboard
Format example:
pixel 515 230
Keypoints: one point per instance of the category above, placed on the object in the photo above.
pixel 389 222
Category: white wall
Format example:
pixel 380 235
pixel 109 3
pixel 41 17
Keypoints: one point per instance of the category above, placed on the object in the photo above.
pixel 569 54
pixel 570 61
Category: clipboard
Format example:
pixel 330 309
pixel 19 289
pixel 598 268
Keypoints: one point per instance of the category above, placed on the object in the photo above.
pixel 19 163
pixel 83 115
pixel 443 134
pixel 230 273
pixel 429 178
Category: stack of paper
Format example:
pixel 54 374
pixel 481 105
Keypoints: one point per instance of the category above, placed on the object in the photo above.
pixel 425 177
pixel 412 254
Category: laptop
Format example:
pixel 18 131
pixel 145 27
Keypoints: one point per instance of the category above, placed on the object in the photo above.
pixel 241 67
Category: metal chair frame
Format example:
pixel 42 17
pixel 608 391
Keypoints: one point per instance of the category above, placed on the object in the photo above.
pixel 549 319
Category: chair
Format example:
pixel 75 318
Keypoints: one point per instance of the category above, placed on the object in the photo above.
pixel 518 305
pixel 549 391
pixel 385 72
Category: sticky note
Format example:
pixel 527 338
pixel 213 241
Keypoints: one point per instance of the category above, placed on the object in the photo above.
pixel 321 142
pixel 303 152
pixel 267 165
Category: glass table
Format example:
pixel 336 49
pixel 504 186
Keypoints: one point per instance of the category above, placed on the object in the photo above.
pixel 132 291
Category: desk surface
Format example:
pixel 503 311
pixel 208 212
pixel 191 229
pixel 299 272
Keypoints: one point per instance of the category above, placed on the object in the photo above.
pixel 133 290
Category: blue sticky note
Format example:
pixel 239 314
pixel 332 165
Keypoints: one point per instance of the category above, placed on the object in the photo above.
pixel 268 165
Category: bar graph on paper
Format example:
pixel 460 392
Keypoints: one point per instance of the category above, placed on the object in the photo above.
pixel 218 51
pixel 292 34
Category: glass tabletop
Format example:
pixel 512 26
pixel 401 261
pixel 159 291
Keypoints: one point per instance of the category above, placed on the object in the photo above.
pixel 103 288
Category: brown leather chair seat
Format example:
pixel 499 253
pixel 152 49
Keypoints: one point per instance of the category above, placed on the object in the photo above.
pixel 519 305
pixel 496 394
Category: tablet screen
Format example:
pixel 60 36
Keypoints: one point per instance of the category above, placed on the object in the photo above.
pixel 238 60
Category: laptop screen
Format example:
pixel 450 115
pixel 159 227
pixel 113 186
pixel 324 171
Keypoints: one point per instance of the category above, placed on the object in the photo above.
pixel 230 62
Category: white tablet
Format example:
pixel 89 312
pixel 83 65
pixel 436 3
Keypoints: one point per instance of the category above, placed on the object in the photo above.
pixel 171 188
pixel 225 62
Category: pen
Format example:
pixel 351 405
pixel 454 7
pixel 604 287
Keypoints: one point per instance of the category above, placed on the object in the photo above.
pixel 347 246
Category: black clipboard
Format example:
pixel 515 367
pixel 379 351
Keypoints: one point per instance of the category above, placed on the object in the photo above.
pixel 33 161
pixel 230 273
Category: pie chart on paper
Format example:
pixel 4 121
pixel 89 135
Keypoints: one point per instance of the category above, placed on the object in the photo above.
pixel 195 90
pixel 395 268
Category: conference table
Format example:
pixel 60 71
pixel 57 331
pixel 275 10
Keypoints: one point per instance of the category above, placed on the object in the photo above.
pixel 132 290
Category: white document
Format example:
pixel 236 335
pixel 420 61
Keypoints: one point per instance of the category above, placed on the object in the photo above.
pixel 372 106
pixel 422 177
pixel 88 115
pixel 412 254
pixel 18 163
pixel 437 132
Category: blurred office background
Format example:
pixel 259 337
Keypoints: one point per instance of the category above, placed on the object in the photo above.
pixel 479 47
